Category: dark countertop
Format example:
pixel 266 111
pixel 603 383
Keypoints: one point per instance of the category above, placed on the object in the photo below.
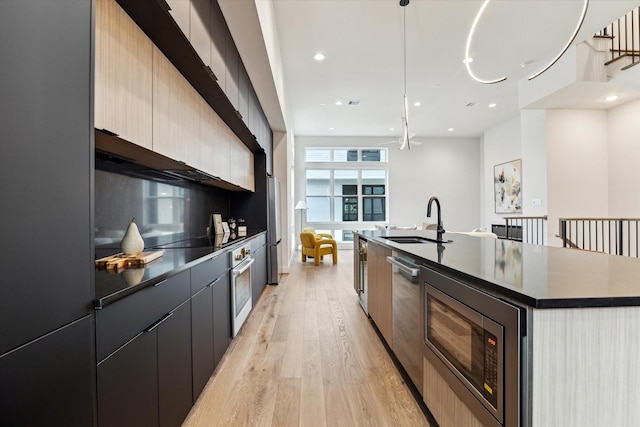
pixel 111 285
pixel 537 276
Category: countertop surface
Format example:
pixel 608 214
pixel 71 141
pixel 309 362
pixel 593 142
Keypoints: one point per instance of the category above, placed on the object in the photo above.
pixel 537 276
pixel 112 285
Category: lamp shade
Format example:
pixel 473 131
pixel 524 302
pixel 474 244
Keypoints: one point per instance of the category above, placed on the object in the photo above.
pixel 302 205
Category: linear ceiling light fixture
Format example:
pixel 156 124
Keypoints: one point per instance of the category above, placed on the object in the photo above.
pixel 467 58
pixel 501 79
pixel 573 37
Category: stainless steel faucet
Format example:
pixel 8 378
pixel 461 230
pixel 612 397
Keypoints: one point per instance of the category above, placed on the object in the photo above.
pixel 440 229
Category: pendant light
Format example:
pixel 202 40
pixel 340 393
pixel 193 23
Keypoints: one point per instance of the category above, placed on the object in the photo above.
pixel 405 120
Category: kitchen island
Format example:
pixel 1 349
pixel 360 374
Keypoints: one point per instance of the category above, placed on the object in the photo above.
pixel 579 322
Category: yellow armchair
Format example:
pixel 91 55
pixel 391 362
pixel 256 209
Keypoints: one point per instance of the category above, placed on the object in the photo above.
pixel 318 235
pixel 317 247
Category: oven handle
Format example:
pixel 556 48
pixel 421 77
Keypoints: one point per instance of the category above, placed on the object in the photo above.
pixel 245 265
pixel 413 272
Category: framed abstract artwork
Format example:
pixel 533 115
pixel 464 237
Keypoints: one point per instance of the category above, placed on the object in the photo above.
pixel 507 180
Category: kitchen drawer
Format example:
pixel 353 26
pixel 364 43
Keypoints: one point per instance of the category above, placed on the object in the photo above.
pixel 207 271
pixel 258 241
pixel 121 321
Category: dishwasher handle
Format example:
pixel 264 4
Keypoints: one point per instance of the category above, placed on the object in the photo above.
pixel 413 272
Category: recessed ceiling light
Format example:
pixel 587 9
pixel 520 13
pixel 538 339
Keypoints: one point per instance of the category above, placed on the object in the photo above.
pixel 323 105
pixel 611 98
pixel 468 60
pixel 450 130
pixel 319 56
pixel 492 105
pixel 331 128
pixel 392 129
pixel 338 102
pixel 417 104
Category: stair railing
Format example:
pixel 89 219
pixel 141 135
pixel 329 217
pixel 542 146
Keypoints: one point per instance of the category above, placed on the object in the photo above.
pixel 618 236
pixel 528 229
pixel 625 37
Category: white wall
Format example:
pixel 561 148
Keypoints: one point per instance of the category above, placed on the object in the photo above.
pixel 624 160
pixel 443 167
pixel 501 144
pixel 577 166
pixel 534 162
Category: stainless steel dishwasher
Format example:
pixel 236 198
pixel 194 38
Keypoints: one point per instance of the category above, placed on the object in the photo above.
pixel 408 315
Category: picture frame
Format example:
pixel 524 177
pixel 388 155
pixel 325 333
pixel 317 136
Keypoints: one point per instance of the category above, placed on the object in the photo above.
pixel 507 180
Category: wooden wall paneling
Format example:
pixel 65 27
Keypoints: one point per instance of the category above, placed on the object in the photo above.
pixel 180 13
pixel 199 36
pixel 123 75
pixel 207 137
pixel 176 113
pixel 219 35
pixel 379 275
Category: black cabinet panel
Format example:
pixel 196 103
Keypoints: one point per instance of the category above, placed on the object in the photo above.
pixel 219 34
pixel 119 322
pixel 221 317
pixel 259 272
pixel 243 94
pixel 232 59
pixel 128 384
pixel 46 159
pixel 174 366
pixel 201 339
pixel 205 272
pixel 49 382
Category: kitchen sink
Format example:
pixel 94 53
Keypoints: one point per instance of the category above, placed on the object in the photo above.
pixel 413 239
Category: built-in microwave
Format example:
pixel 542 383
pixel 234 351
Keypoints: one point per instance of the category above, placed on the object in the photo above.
pixel 474 340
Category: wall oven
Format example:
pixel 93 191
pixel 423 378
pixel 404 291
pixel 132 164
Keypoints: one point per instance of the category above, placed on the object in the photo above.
pixel 474 341
pixel 241 301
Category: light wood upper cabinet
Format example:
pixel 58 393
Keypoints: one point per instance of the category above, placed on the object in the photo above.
pixel 214 146
pixel 176 113
pixel 379 274
pixel 218 45
pixel 123 75
pixel 241 159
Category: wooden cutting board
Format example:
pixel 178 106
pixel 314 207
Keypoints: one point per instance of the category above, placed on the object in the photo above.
pixel 121 260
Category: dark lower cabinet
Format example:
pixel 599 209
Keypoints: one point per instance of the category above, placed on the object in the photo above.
pixel 128 384
pixel 258 272
pixel 201 339
pixel 147 381
pixel 174 366
pixel 48 382
pixel 210 329
pixel 221 317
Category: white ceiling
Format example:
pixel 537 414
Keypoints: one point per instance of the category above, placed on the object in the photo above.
pixel 363 44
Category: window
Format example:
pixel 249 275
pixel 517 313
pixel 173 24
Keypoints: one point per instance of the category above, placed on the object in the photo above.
pixel 348 155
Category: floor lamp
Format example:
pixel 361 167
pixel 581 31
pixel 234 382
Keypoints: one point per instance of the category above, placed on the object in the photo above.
pixel 301 206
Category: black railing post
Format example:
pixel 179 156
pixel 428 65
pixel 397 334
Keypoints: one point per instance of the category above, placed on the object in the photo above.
pixel 620 249
pixel 563 228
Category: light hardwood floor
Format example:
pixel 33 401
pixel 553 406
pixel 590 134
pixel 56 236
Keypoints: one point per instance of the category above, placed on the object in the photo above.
pixel 307 356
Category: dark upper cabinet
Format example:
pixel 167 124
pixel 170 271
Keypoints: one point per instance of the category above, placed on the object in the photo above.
pixel 50 381
pixel 47 155
pixel 219 36
pixel 243 94
pixel 174 366
pixel 128 384
pixel 232 60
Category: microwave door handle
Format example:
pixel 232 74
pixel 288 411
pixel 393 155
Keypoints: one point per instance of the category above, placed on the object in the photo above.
pixel 413 272
pixel 244 268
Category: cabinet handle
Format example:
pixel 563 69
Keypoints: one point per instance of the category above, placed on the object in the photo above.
pixel 160 283
pixel 244 268
pixel 214 282
pixel 158 322
pixel 413 272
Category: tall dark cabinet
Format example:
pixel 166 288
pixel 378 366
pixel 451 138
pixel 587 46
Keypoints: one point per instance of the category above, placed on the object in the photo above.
pixel 46 168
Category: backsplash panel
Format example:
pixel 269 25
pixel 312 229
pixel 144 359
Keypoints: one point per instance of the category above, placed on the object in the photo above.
pixel 164 211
